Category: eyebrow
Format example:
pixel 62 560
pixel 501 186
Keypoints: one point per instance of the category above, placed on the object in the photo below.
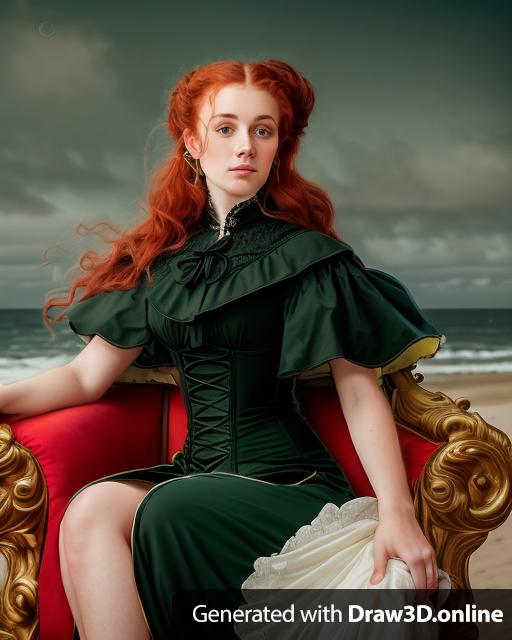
pixel 235 117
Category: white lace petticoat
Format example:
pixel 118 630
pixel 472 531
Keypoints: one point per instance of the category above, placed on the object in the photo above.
pixel 335 551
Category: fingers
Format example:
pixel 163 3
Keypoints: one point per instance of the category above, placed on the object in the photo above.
pixel 419 573
pixel 429 558
pixel 433 582
pixel 424 571
pixel 379 569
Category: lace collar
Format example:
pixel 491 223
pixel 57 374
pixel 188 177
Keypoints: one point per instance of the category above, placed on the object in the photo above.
pixel 239 215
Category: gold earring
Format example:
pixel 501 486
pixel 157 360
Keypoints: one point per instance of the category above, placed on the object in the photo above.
pixel 194 164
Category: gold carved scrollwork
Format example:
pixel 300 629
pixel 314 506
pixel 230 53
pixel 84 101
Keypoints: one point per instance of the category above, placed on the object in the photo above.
pixel 23 508
pixel 464 490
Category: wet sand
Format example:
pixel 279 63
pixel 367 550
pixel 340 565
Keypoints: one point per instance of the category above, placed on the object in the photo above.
pixel 490 396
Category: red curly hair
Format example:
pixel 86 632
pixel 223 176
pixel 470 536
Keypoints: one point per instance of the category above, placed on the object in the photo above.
pixel 176 201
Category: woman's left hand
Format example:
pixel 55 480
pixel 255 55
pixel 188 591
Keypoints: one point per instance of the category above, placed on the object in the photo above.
pixel 400 536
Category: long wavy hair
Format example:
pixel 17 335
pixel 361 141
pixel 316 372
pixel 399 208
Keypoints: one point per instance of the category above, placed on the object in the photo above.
pixel 176 199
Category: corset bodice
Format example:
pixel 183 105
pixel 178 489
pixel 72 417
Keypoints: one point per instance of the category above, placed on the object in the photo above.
pixel 240 317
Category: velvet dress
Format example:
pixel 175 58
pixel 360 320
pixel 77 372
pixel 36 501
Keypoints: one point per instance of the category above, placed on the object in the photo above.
pixel 240 317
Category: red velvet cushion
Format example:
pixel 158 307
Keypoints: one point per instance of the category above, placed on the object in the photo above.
pixel 178 422
pixel 75 446
pixel 322 408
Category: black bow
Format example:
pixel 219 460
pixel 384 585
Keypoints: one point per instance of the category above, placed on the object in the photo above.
pixel 190 267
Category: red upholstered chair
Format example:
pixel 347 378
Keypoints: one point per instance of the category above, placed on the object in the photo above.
pixel 458 466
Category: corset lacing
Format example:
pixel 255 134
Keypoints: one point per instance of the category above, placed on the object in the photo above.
pixel 208 378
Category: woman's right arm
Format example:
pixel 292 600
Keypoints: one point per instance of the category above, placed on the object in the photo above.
pixel 85 379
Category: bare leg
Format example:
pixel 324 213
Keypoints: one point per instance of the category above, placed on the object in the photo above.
pixel 69 588
pixel 96 561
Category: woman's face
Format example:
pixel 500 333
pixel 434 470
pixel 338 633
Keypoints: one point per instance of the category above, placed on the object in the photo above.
pixel 242 128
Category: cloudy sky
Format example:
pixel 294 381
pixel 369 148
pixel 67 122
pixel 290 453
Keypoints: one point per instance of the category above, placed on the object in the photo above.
pixel 411 133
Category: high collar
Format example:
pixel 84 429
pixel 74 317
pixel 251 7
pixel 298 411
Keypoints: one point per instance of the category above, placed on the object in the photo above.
pixel 239 215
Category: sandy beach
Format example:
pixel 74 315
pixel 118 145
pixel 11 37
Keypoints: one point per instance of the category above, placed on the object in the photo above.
pixel 490 396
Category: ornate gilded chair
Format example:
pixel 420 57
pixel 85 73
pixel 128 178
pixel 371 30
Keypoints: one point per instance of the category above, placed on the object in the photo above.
pixel 459 468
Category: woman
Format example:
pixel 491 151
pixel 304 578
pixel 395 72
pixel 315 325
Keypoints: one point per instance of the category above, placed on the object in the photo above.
pixel 238 279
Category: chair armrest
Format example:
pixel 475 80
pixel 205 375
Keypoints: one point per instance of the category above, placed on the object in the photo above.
pixel 459 467
pixel 51 456
pixel 465 488
pixel 79 444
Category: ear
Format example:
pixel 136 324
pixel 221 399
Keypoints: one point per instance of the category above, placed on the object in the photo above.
pixel 192 143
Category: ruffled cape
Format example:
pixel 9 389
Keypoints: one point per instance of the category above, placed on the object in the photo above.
pixel 335 306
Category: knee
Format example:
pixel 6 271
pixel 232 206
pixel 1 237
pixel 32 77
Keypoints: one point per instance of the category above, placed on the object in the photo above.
pixel 82 517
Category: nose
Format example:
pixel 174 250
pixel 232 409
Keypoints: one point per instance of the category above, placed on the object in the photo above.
pixel 244 144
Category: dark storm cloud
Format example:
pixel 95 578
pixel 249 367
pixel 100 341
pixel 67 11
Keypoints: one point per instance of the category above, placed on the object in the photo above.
pixel 411 133
pixel 404 205
pixel 23 176
pixel 64 124
pixel 16 197
pixel 398 176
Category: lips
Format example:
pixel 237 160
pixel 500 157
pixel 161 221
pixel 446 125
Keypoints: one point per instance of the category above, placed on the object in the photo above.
pixel 243 167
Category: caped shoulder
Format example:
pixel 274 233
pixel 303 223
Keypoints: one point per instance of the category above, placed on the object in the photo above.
pixel 204 275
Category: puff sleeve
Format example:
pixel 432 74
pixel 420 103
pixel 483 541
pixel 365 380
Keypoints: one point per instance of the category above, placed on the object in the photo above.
pixel 339 308
pixel 120 317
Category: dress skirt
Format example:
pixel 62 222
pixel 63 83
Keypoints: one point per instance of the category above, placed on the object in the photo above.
pixel 195 539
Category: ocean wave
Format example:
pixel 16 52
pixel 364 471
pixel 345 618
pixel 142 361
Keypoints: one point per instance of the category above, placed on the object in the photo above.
pixel 463 367
pixel 473 354
pixel 15 369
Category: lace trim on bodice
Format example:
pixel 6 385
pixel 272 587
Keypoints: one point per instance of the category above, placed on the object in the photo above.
pixel 236 215
pixel 194 263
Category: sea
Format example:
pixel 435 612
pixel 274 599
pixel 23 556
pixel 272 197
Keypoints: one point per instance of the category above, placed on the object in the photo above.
pixel 477 341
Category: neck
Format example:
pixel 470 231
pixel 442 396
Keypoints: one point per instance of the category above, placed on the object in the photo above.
pixel 220 204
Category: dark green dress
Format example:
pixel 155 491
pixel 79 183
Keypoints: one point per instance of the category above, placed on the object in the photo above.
pixel 240 317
